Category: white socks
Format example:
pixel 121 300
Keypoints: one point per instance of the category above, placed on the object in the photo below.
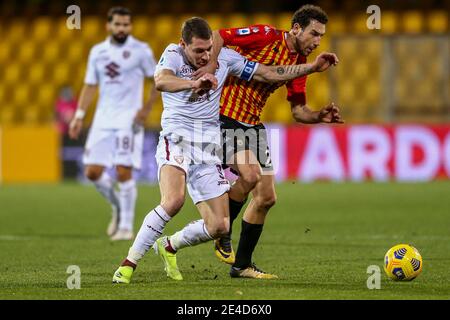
pixel 150 231
pixel 127 198
pixel 123 202
pixel 192 234
pixel 105 185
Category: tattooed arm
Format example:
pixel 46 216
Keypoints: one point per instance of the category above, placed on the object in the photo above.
pixel 272 74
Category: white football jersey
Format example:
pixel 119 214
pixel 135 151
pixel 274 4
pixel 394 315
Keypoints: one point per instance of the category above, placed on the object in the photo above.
pixel 119 70
pixel 196 117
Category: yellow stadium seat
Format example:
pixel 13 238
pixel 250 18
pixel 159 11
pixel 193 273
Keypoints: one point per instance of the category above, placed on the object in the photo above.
pixel 361 69
pixel 165 26
pixel 17 30
pixel 155 114
pixel 325 45
pixel 7 115
pixel 31 114
pixel 336 24
pixel 12 73
pixel 359 23
pixel 61 73
pixel 283 21
pixel 91 26
pixel 282 112
pixel 36 73
pixel 21 95
pixel 389 22
pixel 76 52
pixel 3 94
pixel 5 52
pixel 372 93
pixel 215 21
pixel 62 32
pixel 51 51
pixel 237 20
pixel 263 18
pixel 438 21
pixel 42 28
pixel 276 100
pixel 141 27
pixel 413 22
pixel 26 51
pixel 346 92
pixel 47 95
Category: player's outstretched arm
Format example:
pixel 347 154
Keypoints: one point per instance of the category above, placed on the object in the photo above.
pixel 86 97
pixel 272 74
pixel 329 114
pixel 167 81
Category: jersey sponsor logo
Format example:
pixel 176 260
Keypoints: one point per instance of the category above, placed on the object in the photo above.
pixel 112 70
pixel 186 71
pixel 220 182
pixel 243 32
pixel 248 70
pixel 126 54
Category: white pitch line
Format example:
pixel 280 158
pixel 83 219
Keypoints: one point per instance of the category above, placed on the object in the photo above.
pixel 6 237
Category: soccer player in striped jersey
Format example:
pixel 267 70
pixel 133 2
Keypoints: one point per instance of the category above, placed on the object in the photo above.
pixel 241 106
pixel 189 139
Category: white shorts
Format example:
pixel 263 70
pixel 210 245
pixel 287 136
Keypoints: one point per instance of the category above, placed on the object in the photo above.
pixel 205 180
pixel 111 147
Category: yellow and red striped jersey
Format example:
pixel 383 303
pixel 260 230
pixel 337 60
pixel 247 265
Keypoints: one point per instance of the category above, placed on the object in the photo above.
pixel 244 100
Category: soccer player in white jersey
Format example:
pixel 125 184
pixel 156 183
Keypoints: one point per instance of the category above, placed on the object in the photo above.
pixel 190 135
pixel 117 66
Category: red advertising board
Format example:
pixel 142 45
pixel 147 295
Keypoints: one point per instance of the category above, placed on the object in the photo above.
pixel 361 152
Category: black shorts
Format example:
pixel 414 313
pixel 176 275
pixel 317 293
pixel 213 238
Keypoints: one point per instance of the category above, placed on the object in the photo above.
pixel 238 137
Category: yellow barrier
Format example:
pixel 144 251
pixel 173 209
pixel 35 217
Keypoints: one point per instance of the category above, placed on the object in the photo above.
pixel 29 154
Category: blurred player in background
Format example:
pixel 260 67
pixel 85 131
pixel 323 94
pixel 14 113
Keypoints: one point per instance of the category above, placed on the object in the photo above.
pixel 117 66
pixel 189 141
pixel 241 106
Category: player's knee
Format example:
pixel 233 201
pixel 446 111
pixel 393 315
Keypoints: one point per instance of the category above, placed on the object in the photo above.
pixel 267 201
pixel 93 174
pixel 173 206
pixel 218 229
pixel 124 175
pixel 250 178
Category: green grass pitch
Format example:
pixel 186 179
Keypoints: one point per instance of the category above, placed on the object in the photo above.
pixel 319 238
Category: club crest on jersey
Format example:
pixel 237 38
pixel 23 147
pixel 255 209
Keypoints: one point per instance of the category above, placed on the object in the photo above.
pixel 126 54
pixel 243 32
pixel 179 159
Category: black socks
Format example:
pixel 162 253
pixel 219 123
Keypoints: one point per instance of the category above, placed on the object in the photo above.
pixel 250 234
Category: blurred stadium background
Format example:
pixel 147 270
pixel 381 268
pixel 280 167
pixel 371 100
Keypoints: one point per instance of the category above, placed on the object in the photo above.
pixel 388 77
pixel 393 88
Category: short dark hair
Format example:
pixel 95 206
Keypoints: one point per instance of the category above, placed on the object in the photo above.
pixel 306 13
pixel 121 11
pixel 195 27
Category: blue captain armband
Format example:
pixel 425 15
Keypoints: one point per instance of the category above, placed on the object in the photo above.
pixel 249 68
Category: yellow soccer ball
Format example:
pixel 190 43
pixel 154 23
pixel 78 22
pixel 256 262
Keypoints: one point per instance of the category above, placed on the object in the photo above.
pixel 403 262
